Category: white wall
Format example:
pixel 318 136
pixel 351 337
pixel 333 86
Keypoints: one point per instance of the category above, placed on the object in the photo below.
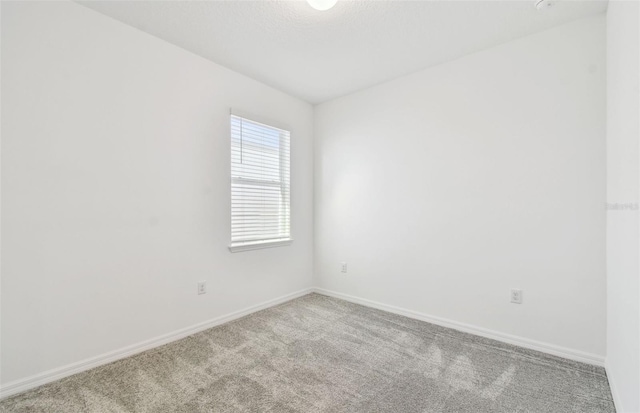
pixel 623 128
pixel 115 180
pixel 444 189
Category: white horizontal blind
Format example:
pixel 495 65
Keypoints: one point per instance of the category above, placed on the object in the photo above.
pixel 260 201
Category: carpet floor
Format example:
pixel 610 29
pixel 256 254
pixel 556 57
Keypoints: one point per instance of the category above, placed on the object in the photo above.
pixel 320 354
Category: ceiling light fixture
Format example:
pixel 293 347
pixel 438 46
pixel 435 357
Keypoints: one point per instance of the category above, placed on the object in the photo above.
pixel 322 5
pixel 543 4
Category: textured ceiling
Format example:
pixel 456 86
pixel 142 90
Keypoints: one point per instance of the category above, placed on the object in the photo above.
pixel 318 56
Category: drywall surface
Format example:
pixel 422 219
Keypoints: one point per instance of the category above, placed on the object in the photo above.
pixel 445 189
pixel 116 188
pixel 623 130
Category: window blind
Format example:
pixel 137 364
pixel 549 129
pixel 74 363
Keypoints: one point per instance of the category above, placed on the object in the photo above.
pixel 260 198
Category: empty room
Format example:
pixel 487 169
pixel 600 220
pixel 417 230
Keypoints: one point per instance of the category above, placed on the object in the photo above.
pixel 320 206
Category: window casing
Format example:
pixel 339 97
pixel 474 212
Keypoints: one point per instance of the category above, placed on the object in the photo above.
pixel 260 185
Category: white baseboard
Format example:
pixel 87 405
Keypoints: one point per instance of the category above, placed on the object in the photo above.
pixel 552 349
pixel 58 373
pixel 614 389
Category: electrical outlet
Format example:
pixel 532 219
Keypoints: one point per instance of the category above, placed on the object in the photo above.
pixel 202 287
pixel 343 267
pixel 516 296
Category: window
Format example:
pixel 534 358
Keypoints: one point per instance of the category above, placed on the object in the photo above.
pixel 260 201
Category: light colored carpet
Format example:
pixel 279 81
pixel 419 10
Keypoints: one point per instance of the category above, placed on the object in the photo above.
pixel 320 354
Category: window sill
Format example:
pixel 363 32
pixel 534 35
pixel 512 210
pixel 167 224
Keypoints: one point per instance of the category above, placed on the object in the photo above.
pixel 259 245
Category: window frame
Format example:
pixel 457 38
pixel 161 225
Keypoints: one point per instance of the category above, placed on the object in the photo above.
pixel 263 243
